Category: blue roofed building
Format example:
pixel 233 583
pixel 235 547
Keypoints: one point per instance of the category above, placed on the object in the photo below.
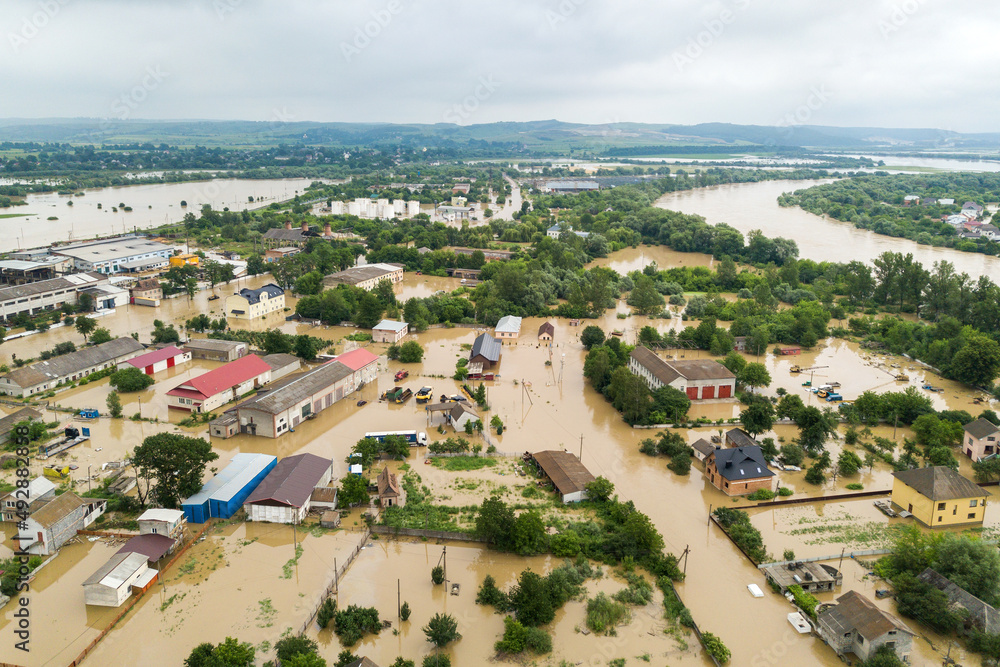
pixel 249 304
pixel 223 495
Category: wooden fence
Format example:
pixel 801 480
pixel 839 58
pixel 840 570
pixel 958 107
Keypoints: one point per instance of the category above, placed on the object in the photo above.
pixel 134 600
pixel 694 624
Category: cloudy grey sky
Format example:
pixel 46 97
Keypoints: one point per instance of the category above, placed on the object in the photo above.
pixel 893 63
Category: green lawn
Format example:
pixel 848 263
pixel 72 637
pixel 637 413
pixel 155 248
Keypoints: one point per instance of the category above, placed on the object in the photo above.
pixel 14 215
pixel 462 462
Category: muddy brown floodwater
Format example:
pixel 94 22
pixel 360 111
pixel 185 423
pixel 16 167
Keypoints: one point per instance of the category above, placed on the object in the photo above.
pixel 222 586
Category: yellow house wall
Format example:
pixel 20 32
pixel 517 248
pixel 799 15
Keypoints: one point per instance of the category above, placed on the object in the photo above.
pixel 955 512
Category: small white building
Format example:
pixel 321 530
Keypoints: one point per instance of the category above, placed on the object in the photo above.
pixel 508 328
pixel 162 522
pixel 112 584
pixel 389 331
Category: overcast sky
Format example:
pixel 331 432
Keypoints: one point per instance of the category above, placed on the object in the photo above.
pixel 890 63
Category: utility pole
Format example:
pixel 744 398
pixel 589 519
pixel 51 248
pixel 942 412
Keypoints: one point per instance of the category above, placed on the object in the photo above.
pixel 88 479
pixel 710 514
pixel 398 604
pixel 581 448
pixel 840 565
pixel 684 555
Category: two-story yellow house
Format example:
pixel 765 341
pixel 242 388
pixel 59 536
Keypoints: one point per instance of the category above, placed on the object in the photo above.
pixel 939 496
pixel 249 304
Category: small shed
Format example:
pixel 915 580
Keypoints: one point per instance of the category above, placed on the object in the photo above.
pixel 702 449
pixel 389 491
pixel 324 498
pixel 546 331
pixel 459 414
pixel 737 437
pixel 508 328
pixel 112 584
pixel 162 522
pixel 157 360
pixel 389 331
pixel 566 472
pixel 330 519
pixel 282 364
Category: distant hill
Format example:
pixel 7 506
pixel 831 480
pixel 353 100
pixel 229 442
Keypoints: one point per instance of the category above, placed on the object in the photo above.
pixel 546 136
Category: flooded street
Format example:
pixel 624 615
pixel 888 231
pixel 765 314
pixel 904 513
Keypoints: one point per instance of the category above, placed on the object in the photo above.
pixel 748 206
pixel 222 589
pixel 152 205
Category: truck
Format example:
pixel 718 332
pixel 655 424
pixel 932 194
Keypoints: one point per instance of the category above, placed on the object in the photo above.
pixel 71 438
pixel 398 395
pixel 401 374
pixel 415 438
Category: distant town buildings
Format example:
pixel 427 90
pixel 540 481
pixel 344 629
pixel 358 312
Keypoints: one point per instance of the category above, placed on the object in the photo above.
pixel 377 209
pixel 367 276
pixel 555 230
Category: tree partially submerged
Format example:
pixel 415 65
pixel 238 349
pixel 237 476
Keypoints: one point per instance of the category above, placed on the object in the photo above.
pixel 170 467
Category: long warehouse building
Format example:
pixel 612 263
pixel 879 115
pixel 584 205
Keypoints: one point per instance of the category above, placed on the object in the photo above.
pixel 223 495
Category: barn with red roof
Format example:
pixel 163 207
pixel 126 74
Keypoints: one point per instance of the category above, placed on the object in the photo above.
pixel 220 386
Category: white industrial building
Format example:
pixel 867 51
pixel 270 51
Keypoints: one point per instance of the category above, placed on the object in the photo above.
pixel 108 255
pixel 383 209
pixel 112 584
pixel 285 495
pixel 33 298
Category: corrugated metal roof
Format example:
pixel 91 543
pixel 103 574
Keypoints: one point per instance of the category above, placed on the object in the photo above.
pixel 565 470
pixel 357 359
pixel 280 360
pixel 117 570
pixel 486 346
pixel 225 377
pixel 701 369
pixel 8 422
pixel 74 362
pixel 160 514
pixel 292 480
pixel 508 324
pixel 231 479
pixel 71 282
pixel 940 483
pixel 654 364
pixel 292 390
pixel 213 344
pixel 389 325
pixel 151 358
pixel 153 546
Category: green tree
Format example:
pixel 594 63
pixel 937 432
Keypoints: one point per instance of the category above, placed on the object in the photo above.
pixel 600 489
pixel 495 522
pixel 754 375
pixel 758 417
pixel 369 311
pixel 85 325
pixel 645 298
pixel 353 491
pixel 404 612
pixel 176 463
pixel 592 336
pixel 294 645
pixel 114 404
pixel 306 347
pixel 735 362
pixel 84 303
pixel 130 379
pixel 978 361
pixel 411 352
pixel 441 630
pixel 814 427
pixel 849 463
pixel 230 653
pixel 529 533
pixel 100 335
pixel 789 406
pixel 885 656
pixel 531 601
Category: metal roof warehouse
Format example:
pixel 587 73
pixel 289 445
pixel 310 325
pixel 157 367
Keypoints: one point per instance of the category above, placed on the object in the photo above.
pixel 284 495
pixel 568 475
pixel 223 495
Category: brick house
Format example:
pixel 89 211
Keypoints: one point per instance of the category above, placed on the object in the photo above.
pixel 738 471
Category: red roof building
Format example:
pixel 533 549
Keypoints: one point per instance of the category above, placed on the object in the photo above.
pixel 363 363
pixel 220 386
pixel 157 360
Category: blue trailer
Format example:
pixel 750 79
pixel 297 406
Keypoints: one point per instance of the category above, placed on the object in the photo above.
pixel 223 495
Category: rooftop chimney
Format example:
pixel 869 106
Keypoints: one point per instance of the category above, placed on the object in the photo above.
pixel 305 226
pixel 327 230
pixel 288 224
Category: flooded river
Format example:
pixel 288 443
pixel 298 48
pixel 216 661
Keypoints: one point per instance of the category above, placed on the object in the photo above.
pixel 748 206
pixel 234 584
pixel 152 205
